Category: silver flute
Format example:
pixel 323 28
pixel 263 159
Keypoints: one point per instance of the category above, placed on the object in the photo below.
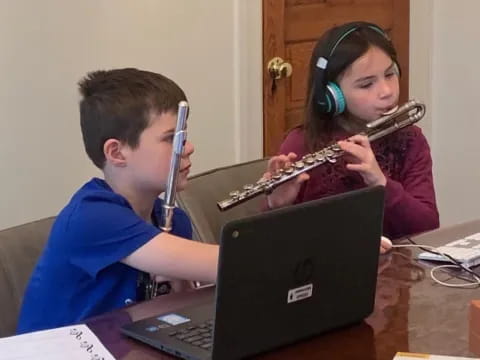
pixel 179 139
pixel 403 116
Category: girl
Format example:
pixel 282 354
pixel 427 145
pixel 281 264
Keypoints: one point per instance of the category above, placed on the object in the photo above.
pixel 354 79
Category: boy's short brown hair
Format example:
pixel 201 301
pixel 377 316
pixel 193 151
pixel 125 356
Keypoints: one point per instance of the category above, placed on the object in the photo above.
pixel 119 103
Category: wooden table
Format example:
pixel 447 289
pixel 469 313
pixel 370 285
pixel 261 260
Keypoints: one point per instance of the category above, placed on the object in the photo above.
pixel 412 313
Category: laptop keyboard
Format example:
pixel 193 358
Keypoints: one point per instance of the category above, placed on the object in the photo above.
pixel 198 335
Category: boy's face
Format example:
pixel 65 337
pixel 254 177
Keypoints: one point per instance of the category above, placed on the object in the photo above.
pixel 149 162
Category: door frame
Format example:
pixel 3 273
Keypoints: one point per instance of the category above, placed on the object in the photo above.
pixel 248 84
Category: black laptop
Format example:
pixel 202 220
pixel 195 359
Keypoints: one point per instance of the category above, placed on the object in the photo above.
pixel 283 275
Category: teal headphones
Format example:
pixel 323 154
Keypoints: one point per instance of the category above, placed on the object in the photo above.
pixel 327 94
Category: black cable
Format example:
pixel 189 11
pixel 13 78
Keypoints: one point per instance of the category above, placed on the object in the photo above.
pixel 451 258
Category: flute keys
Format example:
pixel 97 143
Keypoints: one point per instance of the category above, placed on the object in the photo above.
pixel 288 170
pixel 234 193
pixel 309 160
pixel 329 155
pixel 277 175
pixel 248 187
pixel 299 165
pixel 336 148
pixel 320 157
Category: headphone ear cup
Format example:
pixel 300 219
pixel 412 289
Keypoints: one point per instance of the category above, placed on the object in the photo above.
pixel 396 69
pixel 335 99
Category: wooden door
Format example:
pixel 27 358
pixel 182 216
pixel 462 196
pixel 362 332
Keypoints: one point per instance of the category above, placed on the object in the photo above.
pixel 290 31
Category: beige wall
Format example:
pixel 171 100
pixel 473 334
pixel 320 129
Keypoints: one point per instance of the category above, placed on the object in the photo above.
pixel 456 95
pixel 420 78
pixel 444 57
pixel 46 46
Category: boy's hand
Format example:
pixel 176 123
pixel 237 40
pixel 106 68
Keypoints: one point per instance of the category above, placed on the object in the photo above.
pixel 286 193
pixel 362 159
pixel 176 285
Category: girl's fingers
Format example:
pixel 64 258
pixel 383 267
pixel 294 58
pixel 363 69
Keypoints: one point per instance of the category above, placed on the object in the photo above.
pixel 361 140
pixel 353 149
pixel 292 156
pixel 356 167
pixel 274 163
pixel 281 161
pixel 302 178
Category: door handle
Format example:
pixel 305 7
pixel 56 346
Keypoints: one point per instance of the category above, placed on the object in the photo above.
pixel 279 68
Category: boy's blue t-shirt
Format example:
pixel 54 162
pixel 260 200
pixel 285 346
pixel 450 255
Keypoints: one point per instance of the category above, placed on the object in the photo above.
pixel 79 274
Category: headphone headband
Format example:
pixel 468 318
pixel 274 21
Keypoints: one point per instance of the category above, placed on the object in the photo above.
pixel 353 27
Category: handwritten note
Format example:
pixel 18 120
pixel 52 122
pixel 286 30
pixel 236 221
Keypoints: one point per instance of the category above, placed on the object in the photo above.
pixel 71 342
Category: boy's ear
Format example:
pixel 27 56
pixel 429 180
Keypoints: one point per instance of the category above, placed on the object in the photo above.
pixel 113 150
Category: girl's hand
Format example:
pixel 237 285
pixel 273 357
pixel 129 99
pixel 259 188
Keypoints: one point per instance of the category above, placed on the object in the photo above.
pixel 286 193
pixel 362 160
pixel 385 245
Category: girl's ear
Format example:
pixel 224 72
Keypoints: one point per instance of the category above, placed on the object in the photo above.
pixel 114 152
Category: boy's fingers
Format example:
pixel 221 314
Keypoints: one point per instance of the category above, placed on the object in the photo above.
pixel 161 278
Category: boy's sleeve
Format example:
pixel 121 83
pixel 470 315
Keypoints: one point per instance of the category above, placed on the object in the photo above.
pixel 181 226
pixel 105 230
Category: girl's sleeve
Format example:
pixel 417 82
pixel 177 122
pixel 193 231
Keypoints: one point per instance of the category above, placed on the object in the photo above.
pixel 410 205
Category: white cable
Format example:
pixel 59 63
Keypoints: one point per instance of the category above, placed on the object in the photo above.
pixel 432 271
pixel 432 275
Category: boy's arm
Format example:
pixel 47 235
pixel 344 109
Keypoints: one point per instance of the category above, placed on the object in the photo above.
pixel 175 257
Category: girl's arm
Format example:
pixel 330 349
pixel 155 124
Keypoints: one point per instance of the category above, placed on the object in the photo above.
pixel 410 205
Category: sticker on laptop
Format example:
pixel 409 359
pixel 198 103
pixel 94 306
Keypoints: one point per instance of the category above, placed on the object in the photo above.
pixel 299 293
pixel 173 319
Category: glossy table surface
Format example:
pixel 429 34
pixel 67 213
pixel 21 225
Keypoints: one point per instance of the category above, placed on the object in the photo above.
pixel 412 313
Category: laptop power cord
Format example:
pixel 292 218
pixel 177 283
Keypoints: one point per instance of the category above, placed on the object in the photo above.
pixel 474 281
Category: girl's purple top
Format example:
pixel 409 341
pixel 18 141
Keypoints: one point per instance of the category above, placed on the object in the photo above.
pixel 404 158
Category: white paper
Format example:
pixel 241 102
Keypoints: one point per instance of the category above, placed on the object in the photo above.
pixel 76 342
pixel 417 356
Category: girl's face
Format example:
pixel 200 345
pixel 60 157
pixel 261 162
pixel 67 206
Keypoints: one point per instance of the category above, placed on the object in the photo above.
pixel 370 85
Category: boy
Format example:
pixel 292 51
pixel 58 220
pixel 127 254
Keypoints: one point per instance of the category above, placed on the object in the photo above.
pixel 107 238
